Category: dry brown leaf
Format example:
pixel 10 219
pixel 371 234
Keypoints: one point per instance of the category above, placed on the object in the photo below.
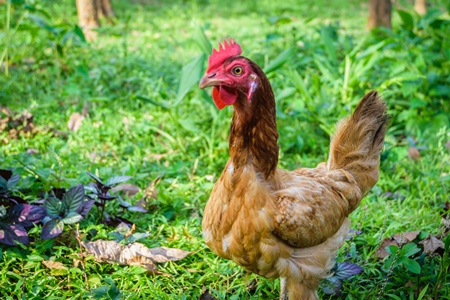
pixel 75 121
pixel 405 237
pixel 382 251
pixel 133 254
pixel 413 153
pixel 431 245
pixel 50 264
pixel 128 189
pixel 56 268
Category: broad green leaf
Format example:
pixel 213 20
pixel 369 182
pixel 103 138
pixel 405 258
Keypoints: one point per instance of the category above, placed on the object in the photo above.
pixel 73 198
pixel 190 76
pixel 52 229
pixel 411 265
pixel 408 250
pixel 116 180
pixel 407 19
pixel 54 207
pixel 72 218
pixel 391 249
pixel 279 60
pixel 201 40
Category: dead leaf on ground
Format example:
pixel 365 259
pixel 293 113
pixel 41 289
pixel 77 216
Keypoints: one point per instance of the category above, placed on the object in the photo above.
pixel 133 254
pixel 381 252
pixel 128 189
pixel 432 245
pixel 75 121
pixel 56 268
pixel 405 237
pixel 413 153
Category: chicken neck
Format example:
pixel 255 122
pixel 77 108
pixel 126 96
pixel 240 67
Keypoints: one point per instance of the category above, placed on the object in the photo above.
pixel 253 133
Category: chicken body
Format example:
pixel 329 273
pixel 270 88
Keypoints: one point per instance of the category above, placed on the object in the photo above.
pixel 287 224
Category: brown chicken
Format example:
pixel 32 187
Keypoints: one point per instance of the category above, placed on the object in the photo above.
pixel 277 223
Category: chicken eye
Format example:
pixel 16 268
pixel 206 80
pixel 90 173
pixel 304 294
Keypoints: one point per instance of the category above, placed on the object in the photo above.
pixel 237 70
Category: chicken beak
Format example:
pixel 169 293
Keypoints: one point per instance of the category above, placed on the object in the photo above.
pixel 209 80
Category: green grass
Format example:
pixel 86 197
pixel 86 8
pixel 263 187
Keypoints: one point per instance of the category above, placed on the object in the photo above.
pixel 136 64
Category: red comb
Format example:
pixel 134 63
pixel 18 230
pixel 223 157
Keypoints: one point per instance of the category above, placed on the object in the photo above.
pixel 226 51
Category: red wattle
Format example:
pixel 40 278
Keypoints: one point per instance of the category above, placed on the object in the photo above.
pixel 216 97
pixel 223 96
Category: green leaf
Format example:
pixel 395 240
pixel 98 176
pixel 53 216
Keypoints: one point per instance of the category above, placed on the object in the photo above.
pixel 190 76
pixel 54 207
pixel 422 293
pixel 201 40
pixel 279 60
pixel 78 32
pixel 411 265
pixel 407 19
pixel 116 180
pixel 72 218
pixel 408 250
pixel 189 125
pixel 391 249
pixel 73 198
pixel 326 35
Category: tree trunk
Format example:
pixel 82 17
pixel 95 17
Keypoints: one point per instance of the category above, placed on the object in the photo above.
pixel 88 17
pixel 107 9
pixel 420 6
pixel 379 14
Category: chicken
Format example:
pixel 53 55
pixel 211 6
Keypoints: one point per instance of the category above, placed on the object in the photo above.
pixel 276 223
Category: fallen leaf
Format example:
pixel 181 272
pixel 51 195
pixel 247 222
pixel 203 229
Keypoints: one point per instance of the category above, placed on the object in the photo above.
pixel 133 254
pixel 405 237
pixel 56 268
pixel 382 251
pixel 431 245
pixel 75 121
pixel 413 153
pixel 128 189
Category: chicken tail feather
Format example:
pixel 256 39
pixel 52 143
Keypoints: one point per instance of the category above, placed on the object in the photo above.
pixel 358 142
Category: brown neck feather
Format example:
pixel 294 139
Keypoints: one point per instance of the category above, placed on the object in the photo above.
pixel 253 133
